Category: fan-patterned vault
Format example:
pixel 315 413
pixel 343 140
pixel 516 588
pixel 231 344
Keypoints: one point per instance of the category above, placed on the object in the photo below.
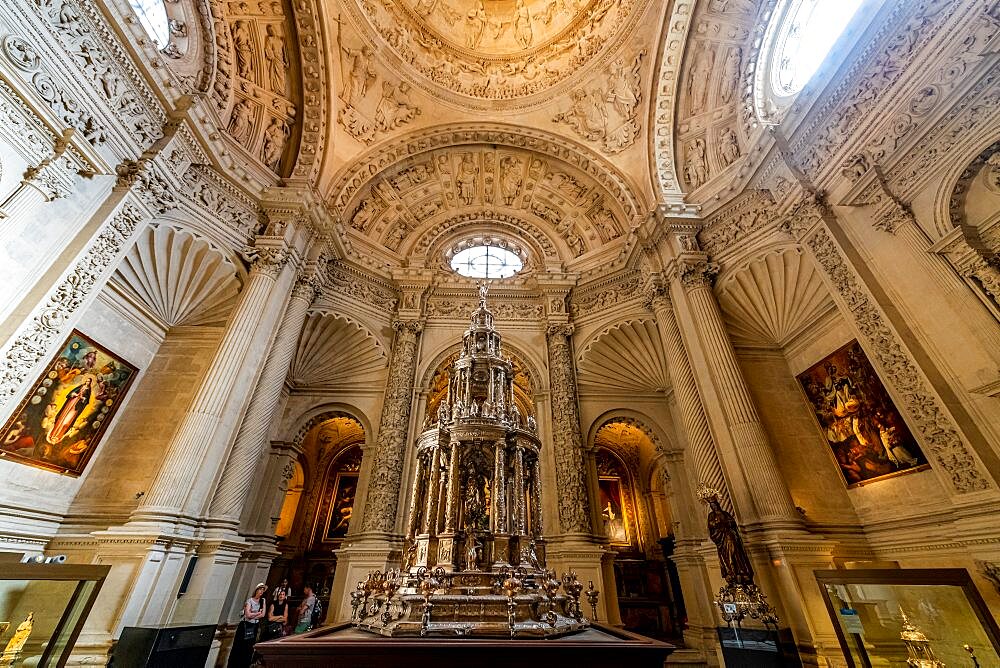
pixel 182 279
pixel 334 350
pixel 627 357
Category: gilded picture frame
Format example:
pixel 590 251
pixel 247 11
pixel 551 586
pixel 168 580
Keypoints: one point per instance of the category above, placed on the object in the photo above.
pixel 65 414
pixel 868 437
pixel 338 518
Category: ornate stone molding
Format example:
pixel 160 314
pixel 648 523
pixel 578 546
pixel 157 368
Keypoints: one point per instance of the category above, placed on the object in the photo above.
pixel 751 214
pixel 37 337
pixel 567 441
pixel 385 482
pixel 267 260
pixel 344 280
pixel 350 182
pixel 587 300
pixel 936 428
pixel 696 272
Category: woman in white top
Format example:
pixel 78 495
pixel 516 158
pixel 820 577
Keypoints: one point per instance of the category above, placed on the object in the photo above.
pixel 248 630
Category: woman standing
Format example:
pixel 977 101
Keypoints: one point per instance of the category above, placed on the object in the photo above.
pixel 277 616
pixel 249 627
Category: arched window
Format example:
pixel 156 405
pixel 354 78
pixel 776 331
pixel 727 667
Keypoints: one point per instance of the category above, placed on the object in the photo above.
pixel 153 17
pixel 799 38
pixel 486 261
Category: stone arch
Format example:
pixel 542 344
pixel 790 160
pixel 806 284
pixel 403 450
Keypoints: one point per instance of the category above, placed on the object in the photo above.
pixel 348 183
pixel 661 442
pixel 430 239
pixel 321 413
pixel 958 198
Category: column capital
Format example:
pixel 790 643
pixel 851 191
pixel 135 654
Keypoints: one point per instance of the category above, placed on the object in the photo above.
pixel 267 256
pixel 656 295
pixel 559 330
pixel 409 326
pixel 695 270
pixel 805 215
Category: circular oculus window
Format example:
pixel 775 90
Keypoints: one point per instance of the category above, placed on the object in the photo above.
pixel 486 261
pixel 153 17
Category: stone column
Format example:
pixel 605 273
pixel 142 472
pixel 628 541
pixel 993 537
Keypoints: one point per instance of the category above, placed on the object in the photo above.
pixel 387 469
pixel 518 497
pixel 767 492
pixel 567 441
pixel 701 445
pixel 251 440
pixel 433 482
pixel 169 494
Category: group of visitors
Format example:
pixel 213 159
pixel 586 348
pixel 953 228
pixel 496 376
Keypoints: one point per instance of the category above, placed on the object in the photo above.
pixel 262 621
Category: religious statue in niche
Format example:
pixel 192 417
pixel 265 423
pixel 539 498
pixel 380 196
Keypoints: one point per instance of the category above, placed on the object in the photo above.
pixel 62 419
pixel 867 434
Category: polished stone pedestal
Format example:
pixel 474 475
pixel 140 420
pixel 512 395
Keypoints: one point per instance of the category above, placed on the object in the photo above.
pixel 343 646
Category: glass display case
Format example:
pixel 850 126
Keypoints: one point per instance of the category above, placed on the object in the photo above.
pixel 926 618
pixel 42 607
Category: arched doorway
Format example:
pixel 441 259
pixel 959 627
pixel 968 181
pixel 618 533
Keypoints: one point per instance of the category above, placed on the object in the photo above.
pixel 636 520
pixel 318 506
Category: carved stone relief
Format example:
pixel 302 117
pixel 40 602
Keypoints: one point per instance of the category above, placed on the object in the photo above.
pixel 497 51
pixel 256 62
pixel 609 112
pixel 487 183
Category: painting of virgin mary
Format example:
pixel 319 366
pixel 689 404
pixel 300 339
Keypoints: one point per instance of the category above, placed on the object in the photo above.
pixel 62 419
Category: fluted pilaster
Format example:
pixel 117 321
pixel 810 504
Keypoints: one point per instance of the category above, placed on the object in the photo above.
pixel 769 493
pixel 387 468
pixel 567 441
pixel 693 418
pixel 251 440
pixel 193 437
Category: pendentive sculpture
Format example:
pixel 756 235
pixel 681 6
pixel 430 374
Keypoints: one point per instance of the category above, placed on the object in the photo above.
pixel 475 561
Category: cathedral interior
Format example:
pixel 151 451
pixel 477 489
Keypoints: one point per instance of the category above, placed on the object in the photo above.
pixel 744 256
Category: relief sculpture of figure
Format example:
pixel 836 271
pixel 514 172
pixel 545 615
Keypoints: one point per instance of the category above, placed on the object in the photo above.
pixel 243 45
pixel 274 143
pixel 725 533
pixel 466 179
pixel 475 25
pixel 277 60
pixel 241 122
pixel 522 25
pixel 359 73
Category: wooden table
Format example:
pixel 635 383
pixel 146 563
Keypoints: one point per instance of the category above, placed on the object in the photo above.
pixel 343 646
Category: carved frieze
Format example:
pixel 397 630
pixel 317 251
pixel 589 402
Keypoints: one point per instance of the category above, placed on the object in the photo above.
pixel 588 300
pixel 346 281
pixel 750 214
pixel 487 183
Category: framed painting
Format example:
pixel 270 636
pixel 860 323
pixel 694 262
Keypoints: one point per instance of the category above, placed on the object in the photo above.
pixel 60 422
pixel 868 436
pixel 342 506
pixel 613 510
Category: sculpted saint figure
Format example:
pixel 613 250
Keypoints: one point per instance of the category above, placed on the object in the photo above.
pixel 522 24
pixel 725 533
pixel 623 91
pixel 587 115
pixel 243 45
pixel 729 147
pixel 731 75
pixel 18 640
pixel 510 179
pixel 241 122
pixel 277 60
pixel 274 142
pixel 698 80
pixel 475 25
pixel 358 74
pixel 697 167
pixel 466 179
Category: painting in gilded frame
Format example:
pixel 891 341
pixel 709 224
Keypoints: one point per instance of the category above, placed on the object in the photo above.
pixel 862 426
pixel 342 506
pixel 613 510
pixel 61 421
